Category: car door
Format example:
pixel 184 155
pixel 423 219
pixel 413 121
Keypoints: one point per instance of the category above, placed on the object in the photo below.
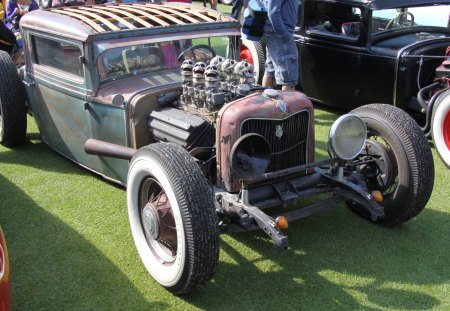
pixel 56 91
pixel 330 42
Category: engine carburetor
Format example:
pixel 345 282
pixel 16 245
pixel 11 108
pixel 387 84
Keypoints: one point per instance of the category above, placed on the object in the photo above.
pixel 209 87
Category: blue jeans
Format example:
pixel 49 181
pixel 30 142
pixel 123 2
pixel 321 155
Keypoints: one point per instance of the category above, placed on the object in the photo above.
pixel 281 59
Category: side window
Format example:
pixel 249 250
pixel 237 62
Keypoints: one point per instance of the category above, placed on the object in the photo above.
pixel 333 19
pixel 58 55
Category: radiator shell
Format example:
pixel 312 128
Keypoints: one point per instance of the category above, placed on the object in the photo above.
pixel 233 117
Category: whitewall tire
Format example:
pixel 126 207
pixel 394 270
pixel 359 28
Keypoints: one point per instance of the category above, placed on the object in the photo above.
pixel 172 217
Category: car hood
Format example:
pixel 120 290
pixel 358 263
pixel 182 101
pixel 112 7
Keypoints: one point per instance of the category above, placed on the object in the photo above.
pixel 130 86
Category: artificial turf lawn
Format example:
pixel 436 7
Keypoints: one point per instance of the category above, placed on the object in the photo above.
pixel 71 249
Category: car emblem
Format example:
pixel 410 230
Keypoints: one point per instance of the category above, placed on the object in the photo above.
pixel 281 105
pixel 278 131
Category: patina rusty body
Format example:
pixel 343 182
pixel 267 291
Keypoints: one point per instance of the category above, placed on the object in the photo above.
pixel 232 117
pixel 53 95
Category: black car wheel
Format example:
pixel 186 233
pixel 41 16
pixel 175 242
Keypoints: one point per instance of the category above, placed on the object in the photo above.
pixel 440 127
pixel 404 170
pixel 172 217
pixel 253 52
pixel 13 112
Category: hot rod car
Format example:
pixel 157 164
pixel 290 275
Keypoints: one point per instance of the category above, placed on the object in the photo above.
pixel 354 53
pixel 154 97
pixel 380 51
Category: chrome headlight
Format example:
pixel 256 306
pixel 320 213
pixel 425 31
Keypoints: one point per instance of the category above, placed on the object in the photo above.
pixel 347 137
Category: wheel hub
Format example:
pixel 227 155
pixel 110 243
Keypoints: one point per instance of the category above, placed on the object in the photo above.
pixel 383 158
pixel 150 221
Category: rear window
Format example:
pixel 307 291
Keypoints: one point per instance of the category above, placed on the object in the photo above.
pixel 58 55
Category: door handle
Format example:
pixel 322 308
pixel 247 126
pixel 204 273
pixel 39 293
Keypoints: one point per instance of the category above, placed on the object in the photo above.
pixel 29 84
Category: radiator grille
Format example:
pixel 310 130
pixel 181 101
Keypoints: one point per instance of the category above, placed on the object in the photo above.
pixel 291 149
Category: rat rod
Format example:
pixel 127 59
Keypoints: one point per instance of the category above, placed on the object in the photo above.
pixel 153 96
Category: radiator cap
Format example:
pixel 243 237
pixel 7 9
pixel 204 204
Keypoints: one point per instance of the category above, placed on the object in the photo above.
pixel 271 93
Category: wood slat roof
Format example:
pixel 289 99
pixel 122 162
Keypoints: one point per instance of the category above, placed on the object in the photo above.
pixel 115 17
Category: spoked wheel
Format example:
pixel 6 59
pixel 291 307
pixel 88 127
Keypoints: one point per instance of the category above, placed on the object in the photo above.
pixel 158 221
pixel 403 170
pixel 172 217
pixel 441 127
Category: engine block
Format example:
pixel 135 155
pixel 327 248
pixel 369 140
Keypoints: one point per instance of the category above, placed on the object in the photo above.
pixel 206 88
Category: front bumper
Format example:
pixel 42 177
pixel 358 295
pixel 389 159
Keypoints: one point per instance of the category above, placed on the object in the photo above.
pixel 244 211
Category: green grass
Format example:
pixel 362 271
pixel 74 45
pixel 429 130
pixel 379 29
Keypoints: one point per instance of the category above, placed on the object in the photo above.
pixel 71 249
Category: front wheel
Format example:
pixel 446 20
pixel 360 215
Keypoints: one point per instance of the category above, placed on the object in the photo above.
pixel 440 126
pixel 403 170
pixel 172 217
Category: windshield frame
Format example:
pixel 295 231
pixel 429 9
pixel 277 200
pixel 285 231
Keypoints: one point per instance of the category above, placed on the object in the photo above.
pixel 101 46
pixel 414 29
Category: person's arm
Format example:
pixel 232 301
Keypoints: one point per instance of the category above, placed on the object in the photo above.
pixel 274 15
pixel 11 11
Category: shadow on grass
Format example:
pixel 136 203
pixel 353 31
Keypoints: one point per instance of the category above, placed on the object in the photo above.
pixel 335 261
pixel 66 269
pixel 43 157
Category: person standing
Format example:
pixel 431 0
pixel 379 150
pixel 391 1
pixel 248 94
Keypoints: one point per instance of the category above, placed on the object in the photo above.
pixel 213 4
pixel 281 51
pixel 236 9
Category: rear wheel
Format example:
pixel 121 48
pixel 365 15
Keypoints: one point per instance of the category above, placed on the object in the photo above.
pixel 404 170
pixel 172 217
pixel 440 126
pixel 13 112
pixel 253 52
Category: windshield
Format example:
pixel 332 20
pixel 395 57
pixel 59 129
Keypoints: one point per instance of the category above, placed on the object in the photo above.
pixel 410 18
pixel 142 58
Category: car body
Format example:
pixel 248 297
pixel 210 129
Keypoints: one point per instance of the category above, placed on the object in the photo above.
pixel 154 97
pixel 354 53
pixel 5 275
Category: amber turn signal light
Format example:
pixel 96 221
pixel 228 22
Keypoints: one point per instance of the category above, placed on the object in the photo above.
pixel 281 222
pixel 376 196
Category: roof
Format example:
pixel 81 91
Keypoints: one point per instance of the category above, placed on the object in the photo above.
pixel 389 4
pixel 84 21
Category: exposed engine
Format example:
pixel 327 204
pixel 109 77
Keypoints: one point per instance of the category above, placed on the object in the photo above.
pixel 188 119
pixel 209 87
pixel 280 121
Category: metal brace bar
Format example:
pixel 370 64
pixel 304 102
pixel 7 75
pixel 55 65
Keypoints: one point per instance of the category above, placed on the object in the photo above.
pixel 268 225
pixel 364 198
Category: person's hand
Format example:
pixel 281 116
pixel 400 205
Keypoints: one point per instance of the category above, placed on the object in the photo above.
pixel 16 11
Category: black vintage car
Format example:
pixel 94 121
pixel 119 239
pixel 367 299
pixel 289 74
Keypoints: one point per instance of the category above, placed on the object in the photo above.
pixel 355 52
